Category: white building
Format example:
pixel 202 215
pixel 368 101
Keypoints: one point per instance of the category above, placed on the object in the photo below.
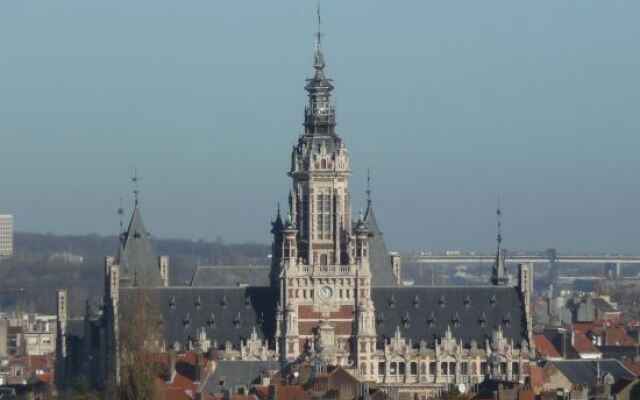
pixel 6 235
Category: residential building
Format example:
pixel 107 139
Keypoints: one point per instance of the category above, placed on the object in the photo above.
pixel 6 235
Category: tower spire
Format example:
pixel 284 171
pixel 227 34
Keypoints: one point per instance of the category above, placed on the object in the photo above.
pixel 499 271
pixel 319 34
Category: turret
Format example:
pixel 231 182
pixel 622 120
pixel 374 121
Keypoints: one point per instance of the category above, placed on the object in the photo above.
pixel 362 241
pixel 289 242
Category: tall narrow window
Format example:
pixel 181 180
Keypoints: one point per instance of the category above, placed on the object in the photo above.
pixel 324 214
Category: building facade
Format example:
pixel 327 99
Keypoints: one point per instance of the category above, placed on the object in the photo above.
pixel 332 295
pixel 6 235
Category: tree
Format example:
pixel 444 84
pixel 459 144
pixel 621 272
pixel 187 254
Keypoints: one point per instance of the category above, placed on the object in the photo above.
pixel 138 344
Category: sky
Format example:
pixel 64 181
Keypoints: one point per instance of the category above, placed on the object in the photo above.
pixel 451 104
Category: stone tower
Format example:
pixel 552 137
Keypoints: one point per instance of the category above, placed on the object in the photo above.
pixel 320 257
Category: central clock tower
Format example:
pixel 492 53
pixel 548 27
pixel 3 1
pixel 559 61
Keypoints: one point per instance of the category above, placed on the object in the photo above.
pixel 320 255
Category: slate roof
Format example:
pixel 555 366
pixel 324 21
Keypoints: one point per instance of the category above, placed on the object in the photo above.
pixel 379 260
pixel 235 373
pixel 425 313
pixel 231 275
pixel 137 258
pixel 226 314
pixel 585 371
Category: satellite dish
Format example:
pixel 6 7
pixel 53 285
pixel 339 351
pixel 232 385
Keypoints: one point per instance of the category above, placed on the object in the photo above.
pixel 462 388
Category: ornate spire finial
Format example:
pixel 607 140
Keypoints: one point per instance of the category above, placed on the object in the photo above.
pixel 135 179
pixel 368 187
pixel 499 216
pixel 121 216
pixel 319 34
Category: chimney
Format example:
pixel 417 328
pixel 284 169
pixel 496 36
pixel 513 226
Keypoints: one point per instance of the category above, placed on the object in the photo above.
pixel 199 367
pixel 172 364
pixel 273 392
pixel 563 343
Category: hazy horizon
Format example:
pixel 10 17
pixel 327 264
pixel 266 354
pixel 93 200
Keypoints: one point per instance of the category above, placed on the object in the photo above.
pixel 451 106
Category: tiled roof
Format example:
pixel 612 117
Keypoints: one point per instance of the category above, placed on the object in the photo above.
pixel 583 345
pixel 379 259
pixel 633 366
pixel 585 371
pixel 544 347
pixel 472 313
pixel 234 373
pixel 617 336
pixel 225 314
pixel 231 276
pixel 137 259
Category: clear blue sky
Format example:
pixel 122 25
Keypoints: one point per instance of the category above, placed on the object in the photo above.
pixel 452 104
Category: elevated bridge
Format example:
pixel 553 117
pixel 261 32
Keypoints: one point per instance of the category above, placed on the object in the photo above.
pixel 461 259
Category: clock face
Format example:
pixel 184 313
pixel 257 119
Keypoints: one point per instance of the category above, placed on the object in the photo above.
pixel 326 292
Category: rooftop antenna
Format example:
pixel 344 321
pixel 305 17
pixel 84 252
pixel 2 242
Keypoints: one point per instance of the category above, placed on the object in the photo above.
pixel 135 179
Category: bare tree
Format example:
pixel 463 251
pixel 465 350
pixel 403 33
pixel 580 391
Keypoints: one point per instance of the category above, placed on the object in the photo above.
pixel 139 343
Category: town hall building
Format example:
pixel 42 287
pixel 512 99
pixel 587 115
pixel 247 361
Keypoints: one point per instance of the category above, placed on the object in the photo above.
pixel 332 296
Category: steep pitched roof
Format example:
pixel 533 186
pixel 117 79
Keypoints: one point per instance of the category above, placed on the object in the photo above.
pixel 472 313
pixel 137 258
pixel 231 275
pixel 379 260
pixel 225 314
pixel 544 347
pixel 234 373
pixel 585 371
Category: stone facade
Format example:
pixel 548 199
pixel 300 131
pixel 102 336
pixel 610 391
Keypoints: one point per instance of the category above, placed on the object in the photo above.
pixel 333 295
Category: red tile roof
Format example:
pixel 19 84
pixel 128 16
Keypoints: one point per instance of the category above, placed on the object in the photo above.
pixel 633 367
pixel 617 336
pixel 544 347
pixel 583 345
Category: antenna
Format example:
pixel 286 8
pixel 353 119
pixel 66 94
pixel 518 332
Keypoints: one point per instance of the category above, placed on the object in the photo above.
pixel 135 179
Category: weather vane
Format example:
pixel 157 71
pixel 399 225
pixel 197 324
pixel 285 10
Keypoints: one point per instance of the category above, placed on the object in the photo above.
pixel 135 179
pixel 121 215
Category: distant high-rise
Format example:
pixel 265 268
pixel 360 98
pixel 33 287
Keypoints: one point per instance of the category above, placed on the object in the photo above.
pixel 6 235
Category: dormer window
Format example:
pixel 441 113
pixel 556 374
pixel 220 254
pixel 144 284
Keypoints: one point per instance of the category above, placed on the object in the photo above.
pixel 224 303
pixel 416 302
pixel 467 301
pixel 507 320
pixel 406 321
pixel 198 303
pixel 442 302
pixel 237 320
pixel 212 320
pixel 482 320
pixel 431 320
pixel 380 318
pixel 172 303
pixel 247 301
pixel 455 320
pixel 186 322
pixel 392 301
pixel 493 300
